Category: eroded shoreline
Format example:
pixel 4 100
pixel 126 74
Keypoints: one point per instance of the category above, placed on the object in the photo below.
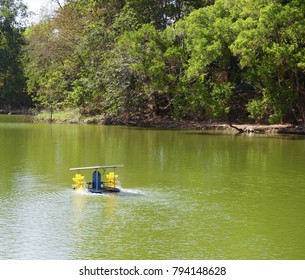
pixel 165 123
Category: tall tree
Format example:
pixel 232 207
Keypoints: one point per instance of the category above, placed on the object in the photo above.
pixel 270 46
pixel 209 78
pixel 12 81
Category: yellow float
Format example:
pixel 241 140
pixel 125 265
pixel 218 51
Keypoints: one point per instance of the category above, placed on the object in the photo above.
pixel 112 180
pixel 79 182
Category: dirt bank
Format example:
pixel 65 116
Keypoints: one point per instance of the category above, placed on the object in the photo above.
pixel 166 123
pixel 197 125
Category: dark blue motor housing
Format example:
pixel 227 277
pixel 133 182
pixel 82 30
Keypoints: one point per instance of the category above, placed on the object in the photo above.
pixel 96 180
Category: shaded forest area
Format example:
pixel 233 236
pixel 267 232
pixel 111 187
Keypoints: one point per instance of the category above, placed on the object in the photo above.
pixel 224 60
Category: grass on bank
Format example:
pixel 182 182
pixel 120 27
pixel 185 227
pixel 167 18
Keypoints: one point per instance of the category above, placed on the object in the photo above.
pixel 65 116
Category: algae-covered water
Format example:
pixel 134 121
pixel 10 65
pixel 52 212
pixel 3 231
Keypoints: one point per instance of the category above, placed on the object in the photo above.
pixel 185 194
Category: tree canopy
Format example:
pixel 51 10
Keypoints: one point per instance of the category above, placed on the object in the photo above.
pixel 225 60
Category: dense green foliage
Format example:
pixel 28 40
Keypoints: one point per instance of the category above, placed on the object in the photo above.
pixel 12 80
pixel 228 60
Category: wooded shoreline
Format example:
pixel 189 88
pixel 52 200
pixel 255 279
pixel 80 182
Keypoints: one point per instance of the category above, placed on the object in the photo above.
pixel 166 123
pixel 217 60
pixel 72 117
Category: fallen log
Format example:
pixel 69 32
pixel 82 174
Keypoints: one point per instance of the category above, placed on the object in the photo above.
pixel 240 130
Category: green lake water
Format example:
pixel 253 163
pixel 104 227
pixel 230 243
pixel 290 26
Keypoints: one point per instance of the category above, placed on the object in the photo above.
pixel 185 194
